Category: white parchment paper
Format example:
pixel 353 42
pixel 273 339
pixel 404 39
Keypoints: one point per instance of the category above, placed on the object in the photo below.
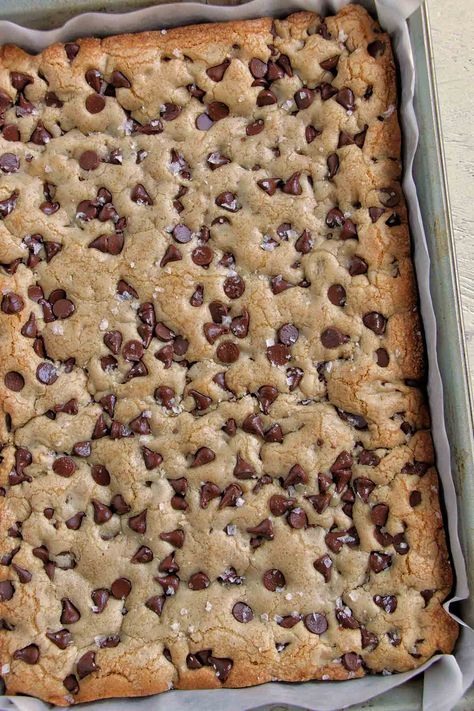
pixel 446 677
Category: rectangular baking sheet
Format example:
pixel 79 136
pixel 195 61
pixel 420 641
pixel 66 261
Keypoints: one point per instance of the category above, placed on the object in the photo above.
pixel 446 680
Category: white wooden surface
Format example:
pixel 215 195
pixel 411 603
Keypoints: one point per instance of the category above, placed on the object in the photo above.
pixel 452 28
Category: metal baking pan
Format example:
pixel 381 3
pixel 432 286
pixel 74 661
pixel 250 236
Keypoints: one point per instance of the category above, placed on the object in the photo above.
pixel 430 177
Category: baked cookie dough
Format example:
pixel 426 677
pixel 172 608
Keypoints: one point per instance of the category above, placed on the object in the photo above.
pixel 216 464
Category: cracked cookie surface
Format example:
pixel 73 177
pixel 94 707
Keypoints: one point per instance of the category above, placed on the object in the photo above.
pixel 217 467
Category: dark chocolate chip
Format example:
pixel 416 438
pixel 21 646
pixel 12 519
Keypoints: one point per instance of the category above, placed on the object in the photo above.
pixel 242 612
pixel 316 623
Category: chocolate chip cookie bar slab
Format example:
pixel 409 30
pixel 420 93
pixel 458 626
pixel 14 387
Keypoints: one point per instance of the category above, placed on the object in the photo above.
pixel 216 464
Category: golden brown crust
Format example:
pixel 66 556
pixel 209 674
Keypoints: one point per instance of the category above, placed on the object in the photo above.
pixel 349 415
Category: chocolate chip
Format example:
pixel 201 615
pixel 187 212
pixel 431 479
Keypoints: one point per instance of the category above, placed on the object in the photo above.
pixel 113 341
pixel 119 80
pixel 274 580
pixel 138 522
pixel 217 72
pixel 119 505
pixel 202 456
pixel 86 665
pixel 89 160
pixel 267 395
pixel 227 352
pixel 383 359
pixel 64 466
pixel 379 514
pixel 357 266
pixel 234 287
pixel 288 334
pixel 334 218
pixel 375 321
pixel 242 469
pixel 279 505
pixel 24 576
pixel 242 612
pixel 415 498
pixel 297 518
pixel 14 381
pixel 12 303
pixel 333 165
pixel 174 538
pixel 132 351
pixel 169 583
pixel 357 421
pixel 266 98
pixel 63 308
pixel 95 103
pixel 7 590
pixel 71 684
pixel 46 373
pixel 329 64
pixel 140 195
pixel 217 110
pixel 389 197
pixel 337 295
pixel 82 449
pixel 61 638
pixel 375 213
pixel 170 112
pixel 376 48
pixel 388 603
pixel 100 474
pixel 333 338
pixel 142 555
pixel 102 513
pixel 268 185
pixel 304 97
pixel 109 244
pixel 10 132
pixel 296 475
pixel 172 254
pixel 278 354
pixel 369 458
pixel 71 49
pixel 202 256
pixel 204 122
pixel 222 667
pixel 416 468
pixel 29 654
pixel 351 661
pixel 292 185
pixel 74 523
pixel 258 68
pixel 169 564
pixel 100 598
pixel 254 128
pixel 156 603
pixel 9 163
pixel 253 425
pixel 228 201
pixel 379 561
pixel 69 614
pixel 150 129
pixel 345 97
pixel 198 581
pixel 94 79
pixel 316 623
pixel 324 566
pixel 121 588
